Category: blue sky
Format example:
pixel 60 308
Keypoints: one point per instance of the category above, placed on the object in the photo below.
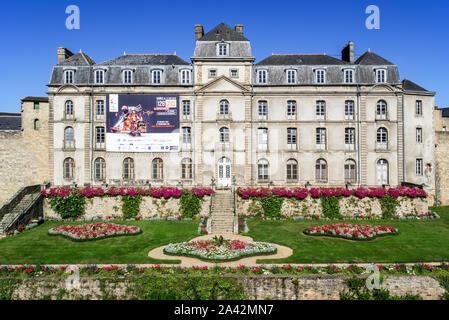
pixel 413 34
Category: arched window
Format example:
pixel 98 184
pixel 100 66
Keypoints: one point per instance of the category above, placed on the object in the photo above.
pixel 382 139
pixel 292 169
pixel 321 170
pixel 68 168
pixel 224 107
pixel 350 171
pixel 224 135
pixel 262 170
pixel 69 137
pixel 36 124
pixel 186 168
pixel 382 172
pixel 128 169
pixel 381 111
pixel 69 109
pixel 100 169
pixel 158 169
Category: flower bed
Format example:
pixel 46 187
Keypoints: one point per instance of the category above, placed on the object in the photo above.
pixel 351 231
pixel 94 231
pixel 219 249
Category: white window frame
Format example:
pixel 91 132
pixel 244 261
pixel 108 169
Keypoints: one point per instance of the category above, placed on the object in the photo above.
pixel 69 76
pixel 418 108
pixel 185 76
pixel 321 110
pixel 292 170
pixel 290 76
pixel 262 138
pixel 292 138
pixel 262 76
pixel 71 115
pixel 224 134
pixel 214 71
pixel 291 110
pixel 100 137
pixel 350 171
pixel 262 110
pixel 99 76
pixel 99 104
pixel 419 135
pixel 263 167
pixel 381 110
pixel 382 138
pixel 320 138
pixel 349 139
pixel 348 74
pixel 349 110
pixel 186 137
pixel 320 76
pixel 419 166
pixel 236 73
pixel 127 76
pixel 381 75
pixel 321 171
pixel 186 109
pixel 156 76
pixel 220 52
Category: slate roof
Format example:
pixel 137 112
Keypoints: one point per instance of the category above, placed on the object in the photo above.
pixel 223 32
pixel 146 59
pixel 408 85
pixel 10 121
pixel 301 59
pixel 370 58
pixel 79 59
pixel 35 99
pixel 445 112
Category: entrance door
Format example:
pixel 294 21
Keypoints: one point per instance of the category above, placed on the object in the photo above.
pixel 382 172
pixel 224 172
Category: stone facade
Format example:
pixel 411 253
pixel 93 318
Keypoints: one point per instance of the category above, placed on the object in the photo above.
pixel 24 152
pixel 441 169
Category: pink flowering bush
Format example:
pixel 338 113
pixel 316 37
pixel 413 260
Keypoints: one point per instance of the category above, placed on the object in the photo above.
pixel 93 231
pixel 351 231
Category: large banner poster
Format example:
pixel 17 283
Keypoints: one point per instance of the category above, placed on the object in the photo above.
pixel 142 123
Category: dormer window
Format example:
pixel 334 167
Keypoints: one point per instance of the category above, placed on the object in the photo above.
pixel 69 76
pixel 127 76
pixel 381 75
pixel 222 49
pixel 291 76
pixel 156 76
pixel 262 76
pixel 320 76
pixel 185 76
pixel 348 75
pixel 99 76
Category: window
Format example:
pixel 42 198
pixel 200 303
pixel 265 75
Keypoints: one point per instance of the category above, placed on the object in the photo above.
pixel 349 110
pixel 222 49
pixel 291 110
pixel 262 170
pixel 158 169
pixel 320 76
pixel 128 169
pixel 69 138
pixel 36 124
pixel 100 169
pixel 234 73
pixel 69 76
pixel 127 77
pixel 224 135
pixel 321 138
pixel 99 137
pixel 262 138
pixel 156 76
pixel 262 76
pixel 320 110
pixel 186 109
pixel 418 107
pixel 185 76
pixel 292 170
pixel 212 73
pixel 382 139
pixel 100 109
pixel 349 139
pixel 291 138
pixel 69 109
pixel 418 135
pixel 291 76
pixel 99 76
pixel 263 110
pixel 381 75
pixel 186 168
pixel 224 109
pixel 381 111
pixel 186 136
pixel 348 76
pixel 350 171
pixel 419 167
pixel 382 172
pixel 321 170
pixel 36 105
pixel 68 168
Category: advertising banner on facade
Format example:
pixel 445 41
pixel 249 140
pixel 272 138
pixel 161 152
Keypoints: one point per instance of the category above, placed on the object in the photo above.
pixel 142 123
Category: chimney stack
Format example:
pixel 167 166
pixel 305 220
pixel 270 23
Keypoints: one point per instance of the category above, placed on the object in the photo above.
pixel 199 32
pixel 239 28
pixel 63 54
pixel 347 54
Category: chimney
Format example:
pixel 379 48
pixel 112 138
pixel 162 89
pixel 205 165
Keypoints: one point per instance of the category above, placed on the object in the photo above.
pixel 239 28
pixel 63 54
pixel 199 32
pixel 347 54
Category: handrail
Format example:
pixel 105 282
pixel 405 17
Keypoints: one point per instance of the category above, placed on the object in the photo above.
pixel 16 198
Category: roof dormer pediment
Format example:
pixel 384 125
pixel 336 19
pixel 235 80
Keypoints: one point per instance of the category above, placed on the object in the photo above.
pixel 223 84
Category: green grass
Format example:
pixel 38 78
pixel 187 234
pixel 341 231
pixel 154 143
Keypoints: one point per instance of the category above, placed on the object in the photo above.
pixel 418 241
pixel 36 246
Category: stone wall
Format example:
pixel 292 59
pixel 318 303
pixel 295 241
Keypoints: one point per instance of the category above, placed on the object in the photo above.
pixel 111 206
pixel 260 287
pixel 349 206
pixel 442 167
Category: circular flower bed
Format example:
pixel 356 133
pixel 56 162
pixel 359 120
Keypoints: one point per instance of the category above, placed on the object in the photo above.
pixel 94 231
pixel 351 231
pixel 219 249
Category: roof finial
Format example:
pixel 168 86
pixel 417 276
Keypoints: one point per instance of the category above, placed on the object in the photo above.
pixel 124 53
pixel 81 51
pixel 369 49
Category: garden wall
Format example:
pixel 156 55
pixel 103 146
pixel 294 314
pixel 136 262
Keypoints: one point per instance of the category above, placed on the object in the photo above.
pixel 261 287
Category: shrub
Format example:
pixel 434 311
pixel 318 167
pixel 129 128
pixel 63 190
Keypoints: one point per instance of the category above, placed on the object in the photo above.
pixel 131 205
pixel 272 206
pixel 68 204
pixel 190 204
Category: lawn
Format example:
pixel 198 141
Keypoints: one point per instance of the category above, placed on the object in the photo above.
pixel 418 241
pixel 36 246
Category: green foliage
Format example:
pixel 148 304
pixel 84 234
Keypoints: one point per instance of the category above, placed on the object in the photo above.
pixel 7 287
pixel 388 205
pixel 272 205
pixel 444 282
pixel 131 206
pixel 189 204
pixel 71 206
pixel 331 207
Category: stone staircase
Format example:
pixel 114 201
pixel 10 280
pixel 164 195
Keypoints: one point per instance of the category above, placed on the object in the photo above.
pixel 222 213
